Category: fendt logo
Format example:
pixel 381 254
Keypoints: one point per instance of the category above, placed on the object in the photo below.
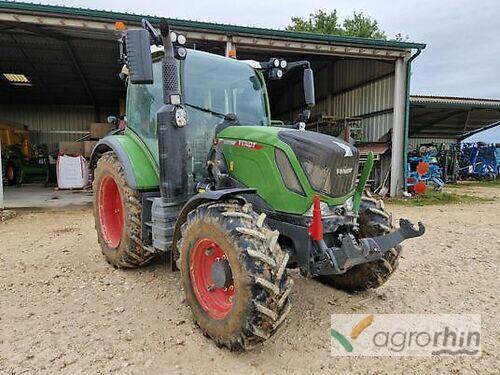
pixel 247 144
pixel 342 171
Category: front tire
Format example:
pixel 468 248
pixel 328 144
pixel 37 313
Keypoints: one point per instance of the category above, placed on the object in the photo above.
pixel 117 214
pixel 373 221
pixel 252 300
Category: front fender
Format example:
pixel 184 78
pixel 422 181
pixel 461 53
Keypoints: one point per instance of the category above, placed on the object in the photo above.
pixel 195 201
pixel 141 172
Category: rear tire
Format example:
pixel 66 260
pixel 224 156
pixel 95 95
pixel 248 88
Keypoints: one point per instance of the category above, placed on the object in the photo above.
pixel 255 300
pixel 373 221
pixel 11 173
pixel 117 214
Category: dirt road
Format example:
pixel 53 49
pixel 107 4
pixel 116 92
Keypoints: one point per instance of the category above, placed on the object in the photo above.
pixel 63 308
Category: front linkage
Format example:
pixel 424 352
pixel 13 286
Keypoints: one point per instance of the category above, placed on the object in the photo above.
pixel 353 251
pixel 338 260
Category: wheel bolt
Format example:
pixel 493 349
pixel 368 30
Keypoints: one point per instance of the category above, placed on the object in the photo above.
pixel 231 287
pixel 210 287
pixel 209 251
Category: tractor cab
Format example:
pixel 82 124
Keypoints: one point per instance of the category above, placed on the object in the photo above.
pixel 214 88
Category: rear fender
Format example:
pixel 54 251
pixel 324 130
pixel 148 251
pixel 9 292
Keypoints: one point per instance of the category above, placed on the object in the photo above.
pixel 141 172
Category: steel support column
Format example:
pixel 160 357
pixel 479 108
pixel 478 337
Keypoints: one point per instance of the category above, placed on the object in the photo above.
pixel 230 48
pixel 398 129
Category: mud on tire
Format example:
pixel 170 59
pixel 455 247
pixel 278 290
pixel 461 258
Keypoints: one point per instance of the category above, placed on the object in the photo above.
pixel 129 253
pixel 373 221
pixel 258 266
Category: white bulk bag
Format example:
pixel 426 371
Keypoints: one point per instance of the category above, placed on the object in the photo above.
pixel 72 172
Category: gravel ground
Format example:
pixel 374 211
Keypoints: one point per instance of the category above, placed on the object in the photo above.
pixel 64 309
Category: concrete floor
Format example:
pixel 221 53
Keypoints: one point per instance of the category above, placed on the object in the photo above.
pixel 39 196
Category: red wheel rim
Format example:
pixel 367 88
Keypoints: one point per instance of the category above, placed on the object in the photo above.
pixel 110 212
pixel 217 302
pixel 10 173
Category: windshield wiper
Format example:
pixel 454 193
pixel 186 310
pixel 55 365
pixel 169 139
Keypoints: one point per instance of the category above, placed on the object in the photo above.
pixel 228 116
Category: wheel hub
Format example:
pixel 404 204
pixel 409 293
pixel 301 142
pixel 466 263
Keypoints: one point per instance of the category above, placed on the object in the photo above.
pixel 221 273
pixel 211 278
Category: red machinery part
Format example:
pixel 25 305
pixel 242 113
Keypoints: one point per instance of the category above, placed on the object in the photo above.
pixel 420 187
pixel 423 168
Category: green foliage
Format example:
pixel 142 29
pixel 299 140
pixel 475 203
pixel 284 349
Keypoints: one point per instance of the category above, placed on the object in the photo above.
pixel 358 25
pixel 362 26
pixel 321 22
pixel 472 184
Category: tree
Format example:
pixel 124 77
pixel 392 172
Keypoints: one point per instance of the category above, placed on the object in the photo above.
pixel 362 26
pixel 329 23
pixel 321 22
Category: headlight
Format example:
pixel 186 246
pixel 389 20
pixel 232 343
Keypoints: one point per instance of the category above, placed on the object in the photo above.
pixel 349 204
pixel 173 37
pixel 287 173
pixel 181 117
pixel 276 63
pixel 181 39
pixel 325 210
pixel 283 64
pixel 276 73
pixel 181 53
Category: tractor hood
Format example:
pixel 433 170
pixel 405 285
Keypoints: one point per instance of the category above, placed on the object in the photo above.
pixel 330 164
pixel 314 164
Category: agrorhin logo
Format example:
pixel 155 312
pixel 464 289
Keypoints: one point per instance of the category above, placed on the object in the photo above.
pixel 406 335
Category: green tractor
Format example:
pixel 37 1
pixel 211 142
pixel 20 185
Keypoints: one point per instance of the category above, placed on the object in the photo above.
pixel 203 174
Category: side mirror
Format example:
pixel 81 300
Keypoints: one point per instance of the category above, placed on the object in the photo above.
pixel 309 87
pixel 139 61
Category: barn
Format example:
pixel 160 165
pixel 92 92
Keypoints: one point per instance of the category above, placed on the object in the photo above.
pixel 59 74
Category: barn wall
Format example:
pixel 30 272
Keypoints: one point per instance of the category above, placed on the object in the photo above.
pixel 348 88
pixel 51 124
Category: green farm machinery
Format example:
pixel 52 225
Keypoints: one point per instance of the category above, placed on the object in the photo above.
pixel 202 174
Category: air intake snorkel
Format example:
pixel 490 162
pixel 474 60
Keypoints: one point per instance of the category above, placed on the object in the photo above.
pixel 172 120
pixel 135 51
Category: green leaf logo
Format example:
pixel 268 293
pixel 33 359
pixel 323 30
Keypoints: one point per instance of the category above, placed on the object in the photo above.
pixel 342 340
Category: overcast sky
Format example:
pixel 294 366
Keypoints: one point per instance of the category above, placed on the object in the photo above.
pixel 462 57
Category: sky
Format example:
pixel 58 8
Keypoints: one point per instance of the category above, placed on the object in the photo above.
pixel 462 57
pixel 487 136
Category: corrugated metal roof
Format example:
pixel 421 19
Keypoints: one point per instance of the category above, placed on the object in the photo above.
pixel 225 28
pixel 450 117
pixel 455 101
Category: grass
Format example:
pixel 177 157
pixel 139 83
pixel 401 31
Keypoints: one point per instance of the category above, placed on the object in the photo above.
pixel 438 198
pixel 493 183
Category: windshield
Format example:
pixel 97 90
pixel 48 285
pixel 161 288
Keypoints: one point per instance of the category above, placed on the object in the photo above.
pixel 214 86
pixel 222 86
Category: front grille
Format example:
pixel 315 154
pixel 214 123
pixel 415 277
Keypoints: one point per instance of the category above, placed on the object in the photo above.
pixel 330 164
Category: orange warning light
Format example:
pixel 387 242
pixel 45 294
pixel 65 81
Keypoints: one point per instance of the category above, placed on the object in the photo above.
pixel 119 25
